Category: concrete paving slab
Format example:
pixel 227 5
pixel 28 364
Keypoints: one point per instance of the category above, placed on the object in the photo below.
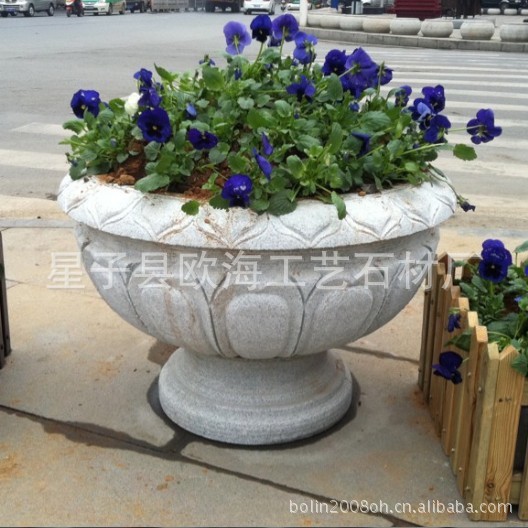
pixel 45 257
pixel 52 474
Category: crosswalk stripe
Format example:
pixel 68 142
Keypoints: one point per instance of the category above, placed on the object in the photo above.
pixel 450 165
pixel 42 128
pixel 33 160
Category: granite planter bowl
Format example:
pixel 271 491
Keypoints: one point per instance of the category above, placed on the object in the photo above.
pixel 477 30
pixel 351 22
pixel 254 365
pixel 376 25
pixel 405 26
pixel 437 28
pixel 514 32
pixel 329 21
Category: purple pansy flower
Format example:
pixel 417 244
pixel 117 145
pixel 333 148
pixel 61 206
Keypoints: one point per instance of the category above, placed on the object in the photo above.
pixel 261 28
pixel 401 96
pixel 304 88
pixel 267 147
pixel 453 322
pixel 495 261
pixel 335 61
pixel 237 37
pixel 190 111
pixel 362 74
pixel 202 140
pixel 155 125
pixel 285 27
pixel 466 206
pixel 365 142
pixel 144 77
pixel 449 363
pixel 237 190
pixel 304 51
pixel 483 129
pixel 150 98
pixel 85 100
pixel 263 163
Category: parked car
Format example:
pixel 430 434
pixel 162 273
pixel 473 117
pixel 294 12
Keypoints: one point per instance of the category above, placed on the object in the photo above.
pixel 504 4
pixel 264 6
pixel 27 7
pixel 104 7
pixel 138 5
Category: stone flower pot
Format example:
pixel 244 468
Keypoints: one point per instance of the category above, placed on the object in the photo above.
pixel 477 30
pixel 254 365
pixel 437 28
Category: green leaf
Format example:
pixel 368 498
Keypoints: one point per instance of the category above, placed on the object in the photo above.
pixel 165 74
pixel 237 163
pixel 259 206
pixel 520 364
pixel 152 150
pixel 179 139
pixel 522 248
pixel 259 118
pixel 462 341
pixel 464 152
pixel 213 78
pixel 295 165
pixel 305 142
pixel 335 139
pixel 152 182
pixel 335 88
pixel 340 205
pixel 375 120
pixel 76 170
pixel 75 125
pixel 284 109
pixel 217 155
pixel 245 103
pixel 218 202
pixel 281 204
pixel 121 157
pixel 191 208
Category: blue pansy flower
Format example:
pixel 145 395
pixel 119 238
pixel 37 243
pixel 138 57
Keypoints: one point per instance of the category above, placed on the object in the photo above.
pixel 304 51
pixel 435 127
pixel 401 96
pixel 365 142
pixel 155 125
pixel 261 28
pixel 285 27
pixel 144 77
pixel 267 147
pixel 435 97
pixel 190 111
pixel 263 163
pixel 483 129
pixel 453 322
pixel 237 37
pixel 449 363
pixel 384 75
pixel 150 98
pixel 237 190
pixel 202 140
pixel 362 74
pixel 335 61
pixel 88 100
pixel 495 261
pixel 466 206
pixel 304 88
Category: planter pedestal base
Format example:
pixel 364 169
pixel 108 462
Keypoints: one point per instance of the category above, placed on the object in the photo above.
pixel 255 402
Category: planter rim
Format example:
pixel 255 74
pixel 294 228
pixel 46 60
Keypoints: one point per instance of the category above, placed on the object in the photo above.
pixel 127 212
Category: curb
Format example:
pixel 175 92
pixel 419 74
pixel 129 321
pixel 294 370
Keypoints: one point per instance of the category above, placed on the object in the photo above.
pixel 379 39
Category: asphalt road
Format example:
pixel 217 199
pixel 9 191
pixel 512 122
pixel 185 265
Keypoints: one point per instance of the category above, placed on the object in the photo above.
pixel 44 60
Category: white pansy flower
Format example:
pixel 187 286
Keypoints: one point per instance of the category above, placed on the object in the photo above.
pixel 131 104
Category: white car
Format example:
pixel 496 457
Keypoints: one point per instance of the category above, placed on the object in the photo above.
pixel 27 7
pixel 262 6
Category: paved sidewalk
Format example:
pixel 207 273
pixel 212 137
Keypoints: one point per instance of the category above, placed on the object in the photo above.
pixel 83 441
pixel 455 41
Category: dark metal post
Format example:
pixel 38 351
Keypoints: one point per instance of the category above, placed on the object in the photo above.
pixel 5 344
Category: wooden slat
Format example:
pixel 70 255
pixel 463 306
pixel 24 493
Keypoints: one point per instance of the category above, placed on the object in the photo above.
pixel 523 491
pixel 452 295
pixel 503 438
pixel 515 492
pixel 438 384
pixel 456 459
pixel 480 443
pixel 479 341
pixel 424 356
pixel 428 360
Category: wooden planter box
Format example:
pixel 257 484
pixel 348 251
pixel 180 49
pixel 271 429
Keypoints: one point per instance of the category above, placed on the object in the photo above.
pixel 478 419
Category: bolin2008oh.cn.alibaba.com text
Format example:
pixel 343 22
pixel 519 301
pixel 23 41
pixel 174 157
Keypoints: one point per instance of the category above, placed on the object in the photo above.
pixel 335 506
